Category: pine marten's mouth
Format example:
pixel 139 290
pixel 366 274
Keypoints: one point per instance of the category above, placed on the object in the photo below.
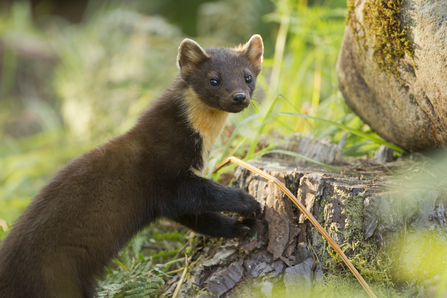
pixel 236 108
pixel 237 103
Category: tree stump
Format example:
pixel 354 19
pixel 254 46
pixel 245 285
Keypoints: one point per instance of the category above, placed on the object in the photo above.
pixel 285 255
pixel 392 69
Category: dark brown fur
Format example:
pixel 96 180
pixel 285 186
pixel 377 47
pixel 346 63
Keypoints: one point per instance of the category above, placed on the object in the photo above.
pixel 92 207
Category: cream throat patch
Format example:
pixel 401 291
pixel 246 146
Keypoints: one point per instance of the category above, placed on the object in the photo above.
pixel 205 120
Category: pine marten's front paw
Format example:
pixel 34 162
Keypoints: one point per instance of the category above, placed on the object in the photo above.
pixel 249 207
pixel 244 227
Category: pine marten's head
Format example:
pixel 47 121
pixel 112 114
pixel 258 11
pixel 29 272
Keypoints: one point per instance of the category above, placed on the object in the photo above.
pixel 222 78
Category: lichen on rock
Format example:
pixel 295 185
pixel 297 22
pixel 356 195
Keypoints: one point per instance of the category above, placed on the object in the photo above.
pixel 390 42
pixel 383 25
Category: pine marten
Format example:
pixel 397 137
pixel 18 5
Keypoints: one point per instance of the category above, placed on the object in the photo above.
pixel 93 206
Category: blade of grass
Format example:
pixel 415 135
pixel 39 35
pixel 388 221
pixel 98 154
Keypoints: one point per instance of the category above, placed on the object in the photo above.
pixel 182 278
pixel 279 50
pixel 347 128
pixel 237 146
pixel 235 132
pixel 254 155
pixel 261 128
pixel 294 154
pixel 121 264
pixel 296 88
pixel 212 164
pixel 316 94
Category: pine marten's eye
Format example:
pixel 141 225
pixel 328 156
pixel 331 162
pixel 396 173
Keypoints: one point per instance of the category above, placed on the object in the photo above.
pixel 248 79
pixel 214 82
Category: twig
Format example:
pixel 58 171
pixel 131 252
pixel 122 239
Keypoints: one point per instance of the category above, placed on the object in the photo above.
pixel 173 271
pixel 182 279
pixel 306 213
pixel 175 260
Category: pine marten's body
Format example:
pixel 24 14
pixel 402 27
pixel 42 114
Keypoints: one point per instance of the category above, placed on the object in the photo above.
pixel 92 207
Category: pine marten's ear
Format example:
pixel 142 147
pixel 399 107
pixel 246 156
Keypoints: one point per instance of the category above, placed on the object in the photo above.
pixel 254 50
pixel 190 55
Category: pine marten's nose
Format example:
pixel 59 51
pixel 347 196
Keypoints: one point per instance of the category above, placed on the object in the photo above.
pixel 239 98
